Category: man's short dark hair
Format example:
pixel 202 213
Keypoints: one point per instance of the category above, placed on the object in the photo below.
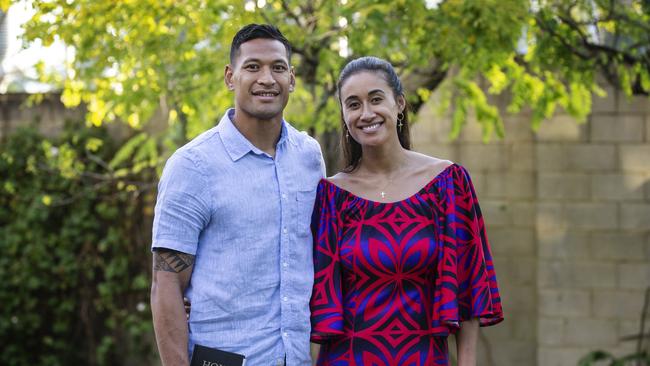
pixel 254 31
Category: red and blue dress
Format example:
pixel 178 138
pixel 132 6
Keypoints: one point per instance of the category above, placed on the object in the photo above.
pixel 392 280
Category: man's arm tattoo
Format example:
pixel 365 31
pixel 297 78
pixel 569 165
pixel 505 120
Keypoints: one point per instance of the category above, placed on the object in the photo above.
pixel 171 261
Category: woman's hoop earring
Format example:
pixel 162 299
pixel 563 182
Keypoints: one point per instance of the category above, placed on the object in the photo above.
pixel 400 118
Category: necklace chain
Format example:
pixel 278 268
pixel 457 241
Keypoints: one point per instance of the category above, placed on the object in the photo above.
pixel 382 191
pixel 391 177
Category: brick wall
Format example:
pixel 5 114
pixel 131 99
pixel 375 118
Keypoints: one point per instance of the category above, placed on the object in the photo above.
pixel 49 116
pixel 568 216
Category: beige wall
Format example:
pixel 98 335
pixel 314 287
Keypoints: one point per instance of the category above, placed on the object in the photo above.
pixel 568 216
pixel 49 115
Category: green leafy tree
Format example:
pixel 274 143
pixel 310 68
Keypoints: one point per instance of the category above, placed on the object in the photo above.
pixel 135 58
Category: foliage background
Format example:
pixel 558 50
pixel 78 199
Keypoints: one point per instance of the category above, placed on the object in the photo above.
pixel 135 58
pixel 75 270
pixel 75 210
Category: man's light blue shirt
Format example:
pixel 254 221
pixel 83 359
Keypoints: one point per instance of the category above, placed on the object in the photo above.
pixel 245 216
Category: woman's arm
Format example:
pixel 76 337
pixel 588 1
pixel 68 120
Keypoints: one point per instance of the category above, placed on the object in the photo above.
pixel 314 349
pixel 466 340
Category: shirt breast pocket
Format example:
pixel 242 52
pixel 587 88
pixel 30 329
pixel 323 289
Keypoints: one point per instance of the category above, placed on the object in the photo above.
pixel 304 205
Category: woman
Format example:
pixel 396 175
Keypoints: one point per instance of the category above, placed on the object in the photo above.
pixel 400 253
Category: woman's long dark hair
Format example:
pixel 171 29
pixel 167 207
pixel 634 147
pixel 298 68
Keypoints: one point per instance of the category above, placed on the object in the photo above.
pixel 352 149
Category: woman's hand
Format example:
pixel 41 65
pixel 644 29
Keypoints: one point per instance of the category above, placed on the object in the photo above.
pixel 188 307
pixel 313 350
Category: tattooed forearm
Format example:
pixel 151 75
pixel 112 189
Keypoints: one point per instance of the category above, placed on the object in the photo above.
pixel 171 261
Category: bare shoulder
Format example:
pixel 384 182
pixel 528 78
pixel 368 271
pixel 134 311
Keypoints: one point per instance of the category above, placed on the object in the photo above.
pixel 342 179
pixel 429 165
pixel 350 181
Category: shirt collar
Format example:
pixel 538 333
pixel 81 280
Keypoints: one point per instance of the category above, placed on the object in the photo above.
pixel 237 145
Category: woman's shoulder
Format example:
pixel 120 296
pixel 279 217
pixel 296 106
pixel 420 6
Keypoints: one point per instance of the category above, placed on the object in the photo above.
pixel 428 165
pixel 342 180
pixel 338 178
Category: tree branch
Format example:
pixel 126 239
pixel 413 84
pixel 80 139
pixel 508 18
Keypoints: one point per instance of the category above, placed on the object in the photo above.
pixel 428 78
pixel 291 14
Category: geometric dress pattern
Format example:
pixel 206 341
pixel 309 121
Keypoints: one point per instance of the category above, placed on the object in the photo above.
pixel 393 280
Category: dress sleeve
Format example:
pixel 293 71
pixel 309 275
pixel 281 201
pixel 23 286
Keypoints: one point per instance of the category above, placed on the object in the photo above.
pixel 326 301
pixel 469 284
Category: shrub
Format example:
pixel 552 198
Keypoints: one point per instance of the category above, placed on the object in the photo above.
pixel 75 261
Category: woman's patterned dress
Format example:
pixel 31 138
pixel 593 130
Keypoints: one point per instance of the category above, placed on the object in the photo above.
pixel 392 280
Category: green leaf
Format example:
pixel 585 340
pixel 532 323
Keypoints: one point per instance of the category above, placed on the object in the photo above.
pixel 593 357
pixel 127 150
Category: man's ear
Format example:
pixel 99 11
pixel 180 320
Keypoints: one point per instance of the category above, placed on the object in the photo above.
pixel 292 81
pixel 227 78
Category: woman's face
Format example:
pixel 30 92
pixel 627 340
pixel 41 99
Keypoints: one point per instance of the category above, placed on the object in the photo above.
pixel 370 108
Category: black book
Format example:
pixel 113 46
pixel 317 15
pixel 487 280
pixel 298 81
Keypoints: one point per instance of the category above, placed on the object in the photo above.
pixel 206 356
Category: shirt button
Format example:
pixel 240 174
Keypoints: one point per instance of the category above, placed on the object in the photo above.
pixel 285 334
pixel 285 298
pixel 284 195
pixel 284 230
pixel 285 264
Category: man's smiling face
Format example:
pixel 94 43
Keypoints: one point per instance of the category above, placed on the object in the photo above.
pixel 261 78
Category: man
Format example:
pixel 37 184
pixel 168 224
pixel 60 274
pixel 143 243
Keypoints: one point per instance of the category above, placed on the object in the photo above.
pixel 231 228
